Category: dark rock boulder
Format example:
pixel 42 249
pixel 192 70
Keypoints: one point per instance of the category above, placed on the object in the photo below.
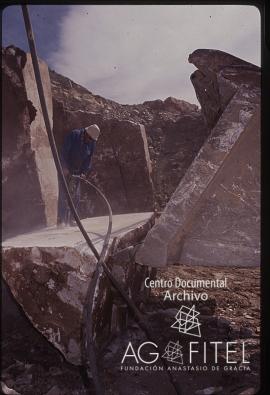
pixel 180 106
pixel 49 271
pixel 217 79
pixel 171 104
pixel 173 145
pixel 154 104
pixel 29 180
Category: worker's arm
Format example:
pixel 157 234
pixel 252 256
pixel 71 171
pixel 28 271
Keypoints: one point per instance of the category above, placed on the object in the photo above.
pixel 87 164
pixel 64 154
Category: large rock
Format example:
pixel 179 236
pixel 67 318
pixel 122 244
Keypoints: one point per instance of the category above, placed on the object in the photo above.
pixel 121 165
pixel 173 146
pixel 217 79
pixel 171 104
pixel 180 106
pixel 214 215
pixel 48 273
pixel 30 187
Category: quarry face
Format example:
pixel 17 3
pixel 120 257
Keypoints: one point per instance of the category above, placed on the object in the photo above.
pixel 184 186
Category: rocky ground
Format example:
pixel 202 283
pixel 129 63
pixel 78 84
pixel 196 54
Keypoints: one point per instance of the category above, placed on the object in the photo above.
pixel 239 302
pixel 31 366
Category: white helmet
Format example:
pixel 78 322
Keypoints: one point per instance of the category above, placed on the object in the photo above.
pixel 93 131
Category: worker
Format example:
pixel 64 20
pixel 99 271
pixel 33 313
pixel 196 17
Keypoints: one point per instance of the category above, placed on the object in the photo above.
pixel 76 157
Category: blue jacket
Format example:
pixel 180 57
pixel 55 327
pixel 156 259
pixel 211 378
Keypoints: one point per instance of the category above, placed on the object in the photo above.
pixel 76 155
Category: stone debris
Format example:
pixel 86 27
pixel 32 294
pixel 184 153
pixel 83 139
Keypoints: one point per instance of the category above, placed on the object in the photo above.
pixel 54 391
pixel 209 391
pixel 49 368
pixel 247 316
pixel 248 391
pixel 8 391
pixel 245 332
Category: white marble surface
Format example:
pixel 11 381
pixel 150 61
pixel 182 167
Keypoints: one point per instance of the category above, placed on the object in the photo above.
pixel 71 236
